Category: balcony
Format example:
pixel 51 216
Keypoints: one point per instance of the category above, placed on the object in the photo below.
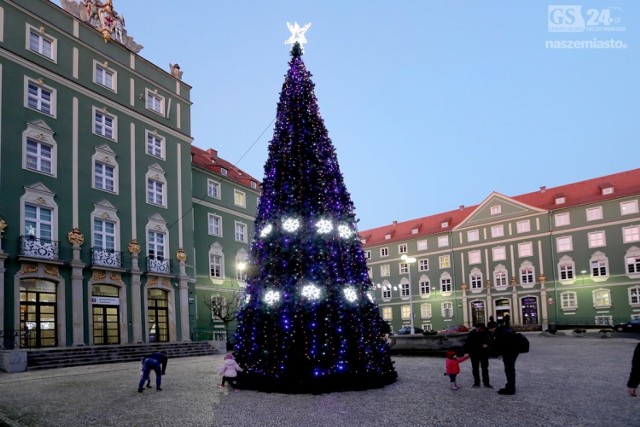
pixel 33 247
pixel 158 265
pixel 107 258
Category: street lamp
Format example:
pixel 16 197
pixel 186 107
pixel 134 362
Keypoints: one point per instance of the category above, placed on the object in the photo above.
pixel 410 260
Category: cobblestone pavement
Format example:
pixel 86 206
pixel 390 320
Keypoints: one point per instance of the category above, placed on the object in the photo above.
pixel 562 381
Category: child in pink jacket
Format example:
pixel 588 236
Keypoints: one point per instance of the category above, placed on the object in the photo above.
pixel 229 370
pixel 453 367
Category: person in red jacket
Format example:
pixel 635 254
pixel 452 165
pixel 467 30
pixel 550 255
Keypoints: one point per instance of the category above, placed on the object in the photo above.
pixel 453 367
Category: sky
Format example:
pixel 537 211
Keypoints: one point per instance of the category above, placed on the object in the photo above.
pixel 429 104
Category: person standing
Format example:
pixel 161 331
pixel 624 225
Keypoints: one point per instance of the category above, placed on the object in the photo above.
pixel 634 376
pixel 478 346
pixel 504 344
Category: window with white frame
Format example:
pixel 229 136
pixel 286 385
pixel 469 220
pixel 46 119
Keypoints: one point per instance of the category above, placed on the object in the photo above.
pixel 39 97
pixel 425 311
pixel 597 239
pixel 632 260
pixel 405 312
pixel 104 76
pixel 496 209
pixel 445 283
pixel 386 290
pixel 370 272
pixel 387 313
pixel 443 241
pixel 604 320
pixel 41 43
pixel 223 171
pixel 104 234
pixel 402 248
pixel 527 273
pixel 39 213
pixel 523 226
pixel 385 270
pixel 105 170
pixel 214 224
pixel 629 207
pixel 154 102
pixel 39 149
pixel 156 186
pixel 594 214
pixel 404 290
pixel 425 286
pixel 384 252
pixel 634 296
pixel 104 124
pixel 601 298
pixel 566 268
pixel 525 249
pixel 445 261
pixel 422 245
pixel 475 279
pixel 631 234
pixel 500 276
pixel 156 245
pixel 564 244
pixel 499 253
pixel 213 189
pixel 562 219
pixel 474 257
pixel 155 144
pixel 241 232
pixel 404 268
pixel 242 258
pixel 473 235
pixel 367 254
pixel 423 264
pixel 497 230
pixel 216 261
pixel 447 310
pixel 239 198
pixel 568 300
pixel 599 265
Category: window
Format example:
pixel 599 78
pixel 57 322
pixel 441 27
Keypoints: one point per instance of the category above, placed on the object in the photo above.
pixel 104 124
pixel 568 301
pixel 38 222
pixel 405 312
pixel 155 102
pixel 425 286
pixel 525 249
pixel 156 244
pixel 155 145
pixel 425 311
pixel 474 257
pixel 387 313
pixel 422 245
pixel 443 241
pixel 596 239
pixel 602 298
pixel 104 76
pixel 633 262
pixel 386 290
pixel 239 198
pixel 215 225
pixel 500 277
pixel 497 230
pixel 566 268
pixel 473 235
pixel 604 320
pixel 385 270
pixel 562 219
pixel 606 189
pixel 423 264
pixel 496 209
pixel 405 291
pixel 634 295
pixel 445 261
pixel 40 97
pixel 447 310
pixel 213 189
pixel 523 226
pixel 499 253
pixel 564 244
pixel 41 43
pixel 39 157
pixel 631 234
pixel 475 279
pixel 156 186
pixel 103 176
pixel 560 200
pixel 445 283
pixel 223 172
pixel 444 224
pixel 527 273
pixel 104 234
pixel 216 261
pixel 241 232
pixel 630 207
pixel 594 214
pixel 384 252
pixel 404 268
pixel 599 265
pixel 370 272
pixel 402 248
pixel 367 254
pixel 242 259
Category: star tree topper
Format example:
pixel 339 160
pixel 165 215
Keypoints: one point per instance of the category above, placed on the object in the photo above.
pixel 297 34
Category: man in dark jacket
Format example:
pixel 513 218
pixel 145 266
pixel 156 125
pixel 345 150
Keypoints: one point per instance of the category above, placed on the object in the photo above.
pixel 504 344
pixel 634 376
pixel 160 357
pixel 478 348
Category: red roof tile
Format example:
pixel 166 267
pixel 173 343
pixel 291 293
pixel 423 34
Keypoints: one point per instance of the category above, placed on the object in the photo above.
pixel 210 161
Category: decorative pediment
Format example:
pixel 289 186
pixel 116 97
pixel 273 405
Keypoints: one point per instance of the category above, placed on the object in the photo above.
pixel 498 207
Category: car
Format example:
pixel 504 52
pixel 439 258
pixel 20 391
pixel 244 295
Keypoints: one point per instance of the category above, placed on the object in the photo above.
pixel 406 330
pixel 454 329
pixel 630 326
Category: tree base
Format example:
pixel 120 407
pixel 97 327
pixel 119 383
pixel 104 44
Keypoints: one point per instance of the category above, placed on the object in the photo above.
pixel 323 385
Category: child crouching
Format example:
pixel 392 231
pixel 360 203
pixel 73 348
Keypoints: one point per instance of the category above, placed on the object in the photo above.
pixel 453 367
pixel 229 370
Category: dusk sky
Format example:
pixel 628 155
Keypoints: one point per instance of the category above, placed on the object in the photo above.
pixel 430 104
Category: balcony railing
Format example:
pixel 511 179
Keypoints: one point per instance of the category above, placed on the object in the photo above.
pixel 158 265
pixel 106 258
pixel 34 247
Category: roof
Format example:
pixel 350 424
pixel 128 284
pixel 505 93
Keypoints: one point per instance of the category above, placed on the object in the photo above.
pixel 209 161
pixel 579 193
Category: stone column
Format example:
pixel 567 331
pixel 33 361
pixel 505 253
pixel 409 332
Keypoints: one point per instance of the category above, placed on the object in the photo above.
pixel 489 304
pixel 136 311
pixel 515 313
pixel 465 311
pixel 3 257
pixel 76 238
pixel 543 302
pixel 183 297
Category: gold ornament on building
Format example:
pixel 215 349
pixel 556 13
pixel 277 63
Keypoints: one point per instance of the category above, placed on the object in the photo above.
pixel 98 275
pixel 28 268
pixel 513 280
pixel 181 255
pixel 3 225
pixel 134 247
pixel 52 270
pixel 463 286
pixel 487 283
pixel 75 237
pixel 542 278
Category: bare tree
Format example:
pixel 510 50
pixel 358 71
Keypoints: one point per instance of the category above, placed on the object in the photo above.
pixel 224 306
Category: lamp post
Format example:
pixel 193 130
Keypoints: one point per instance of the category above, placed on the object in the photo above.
pixel 410 260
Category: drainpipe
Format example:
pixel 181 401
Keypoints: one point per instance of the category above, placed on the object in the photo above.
pixel 553 270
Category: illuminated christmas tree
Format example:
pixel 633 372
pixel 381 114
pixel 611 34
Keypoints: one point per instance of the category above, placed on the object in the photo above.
pixel 308 322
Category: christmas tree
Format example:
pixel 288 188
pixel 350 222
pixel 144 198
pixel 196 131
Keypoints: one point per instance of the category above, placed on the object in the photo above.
pixel 308 322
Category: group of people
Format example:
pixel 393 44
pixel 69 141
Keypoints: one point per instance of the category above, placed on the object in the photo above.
pixel 483 341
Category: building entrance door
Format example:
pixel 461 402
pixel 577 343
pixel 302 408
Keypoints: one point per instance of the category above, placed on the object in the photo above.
pixel 478 312
pixel 38 313
pixel 158 316
pixel 529 311
pixel 106 321
pixel 503 308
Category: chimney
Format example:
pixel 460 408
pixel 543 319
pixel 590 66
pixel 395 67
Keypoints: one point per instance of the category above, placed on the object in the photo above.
pixel 461 207
pixel 212 153
pixel 543 189
pixel 395 223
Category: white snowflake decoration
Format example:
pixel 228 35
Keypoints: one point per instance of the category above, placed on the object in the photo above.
pixel 350 294
pixel 370 297
pixel 266 230
pixel 291 224
pixel 324 226
pixel 311 292
pixel 272 297
pixel 297 34
pixel 247 298
pixel 345 231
